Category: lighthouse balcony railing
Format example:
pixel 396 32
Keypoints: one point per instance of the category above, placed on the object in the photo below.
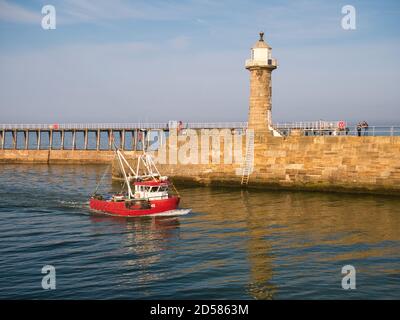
pixel 261 63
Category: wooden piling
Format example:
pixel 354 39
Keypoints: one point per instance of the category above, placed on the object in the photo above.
pixel 122 135
pixel 26 136
pixel 98 139
pixel 38 135
pixel 14 139
pixel 50 139
pixel 2 135
pixel 62 133
pixel 73 139
pixel 135 134
pixel 86 133
pixel 110 138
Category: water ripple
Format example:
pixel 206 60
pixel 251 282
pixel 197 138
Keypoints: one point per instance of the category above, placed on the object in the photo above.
pixel 236 244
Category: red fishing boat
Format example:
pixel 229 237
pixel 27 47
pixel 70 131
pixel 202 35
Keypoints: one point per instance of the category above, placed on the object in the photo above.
pixel 145 192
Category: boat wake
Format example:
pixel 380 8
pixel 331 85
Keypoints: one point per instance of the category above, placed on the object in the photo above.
pixel 73 204
pixel 169 213
pixel 176 212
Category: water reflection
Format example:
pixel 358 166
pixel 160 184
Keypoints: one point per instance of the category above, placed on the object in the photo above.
pixel 145 239
pixel 301 237
pixel 259 252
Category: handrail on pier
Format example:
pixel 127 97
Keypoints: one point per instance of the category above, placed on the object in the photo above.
pixel 121 126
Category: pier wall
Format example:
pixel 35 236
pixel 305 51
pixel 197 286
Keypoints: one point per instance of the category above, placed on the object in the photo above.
pixel 342 163
pixel 322 163
pixel 56 156
pixel 339 164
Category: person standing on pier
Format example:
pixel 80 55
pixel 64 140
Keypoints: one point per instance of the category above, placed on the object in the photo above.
pixel 359 127
pixel 365 126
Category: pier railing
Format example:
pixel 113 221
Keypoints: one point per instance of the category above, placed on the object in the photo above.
pixel 307 125
pixel 331 128
pixel 121 126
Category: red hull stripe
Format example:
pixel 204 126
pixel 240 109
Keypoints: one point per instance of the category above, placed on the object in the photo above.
pixel 119 208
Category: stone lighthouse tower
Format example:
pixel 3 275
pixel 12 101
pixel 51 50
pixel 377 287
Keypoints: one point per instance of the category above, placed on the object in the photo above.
pixel 260 66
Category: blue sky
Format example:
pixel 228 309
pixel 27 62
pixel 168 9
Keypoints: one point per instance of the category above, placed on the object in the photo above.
pixel 129 61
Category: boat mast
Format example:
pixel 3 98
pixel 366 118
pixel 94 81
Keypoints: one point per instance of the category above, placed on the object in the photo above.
pixel 126 162
pixel 137 168
pixel 124 173
pixel 152 165
pixel 146 161
pixel 148 167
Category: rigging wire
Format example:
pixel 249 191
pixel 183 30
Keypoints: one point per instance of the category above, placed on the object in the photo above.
pixel 176 190
pixel 102 177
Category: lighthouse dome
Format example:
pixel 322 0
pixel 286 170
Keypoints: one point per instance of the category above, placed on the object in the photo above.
pixel 261 43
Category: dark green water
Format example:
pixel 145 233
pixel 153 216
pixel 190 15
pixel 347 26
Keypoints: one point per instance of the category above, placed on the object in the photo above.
pixel 235 244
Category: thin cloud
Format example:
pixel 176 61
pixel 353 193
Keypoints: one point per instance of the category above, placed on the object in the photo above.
pixel 179 42
pixel 99 11
pixel 11 12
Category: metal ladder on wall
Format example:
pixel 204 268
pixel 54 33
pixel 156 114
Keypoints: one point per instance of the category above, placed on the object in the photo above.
pixel 248 164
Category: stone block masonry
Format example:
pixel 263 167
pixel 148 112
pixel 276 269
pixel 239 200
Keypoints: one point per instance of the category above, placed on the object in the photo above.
pixel 355 164
pixel 56 156
pixel 338 164
pixel 342 163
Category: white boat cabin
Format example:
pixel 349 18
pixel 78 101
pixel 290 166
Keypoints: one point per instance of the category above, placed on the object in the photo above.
pixel 151 190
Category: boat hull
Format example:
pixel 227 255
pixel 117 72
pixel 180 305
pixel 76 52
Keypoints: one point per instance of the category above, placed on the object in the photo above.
pixel 132 209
